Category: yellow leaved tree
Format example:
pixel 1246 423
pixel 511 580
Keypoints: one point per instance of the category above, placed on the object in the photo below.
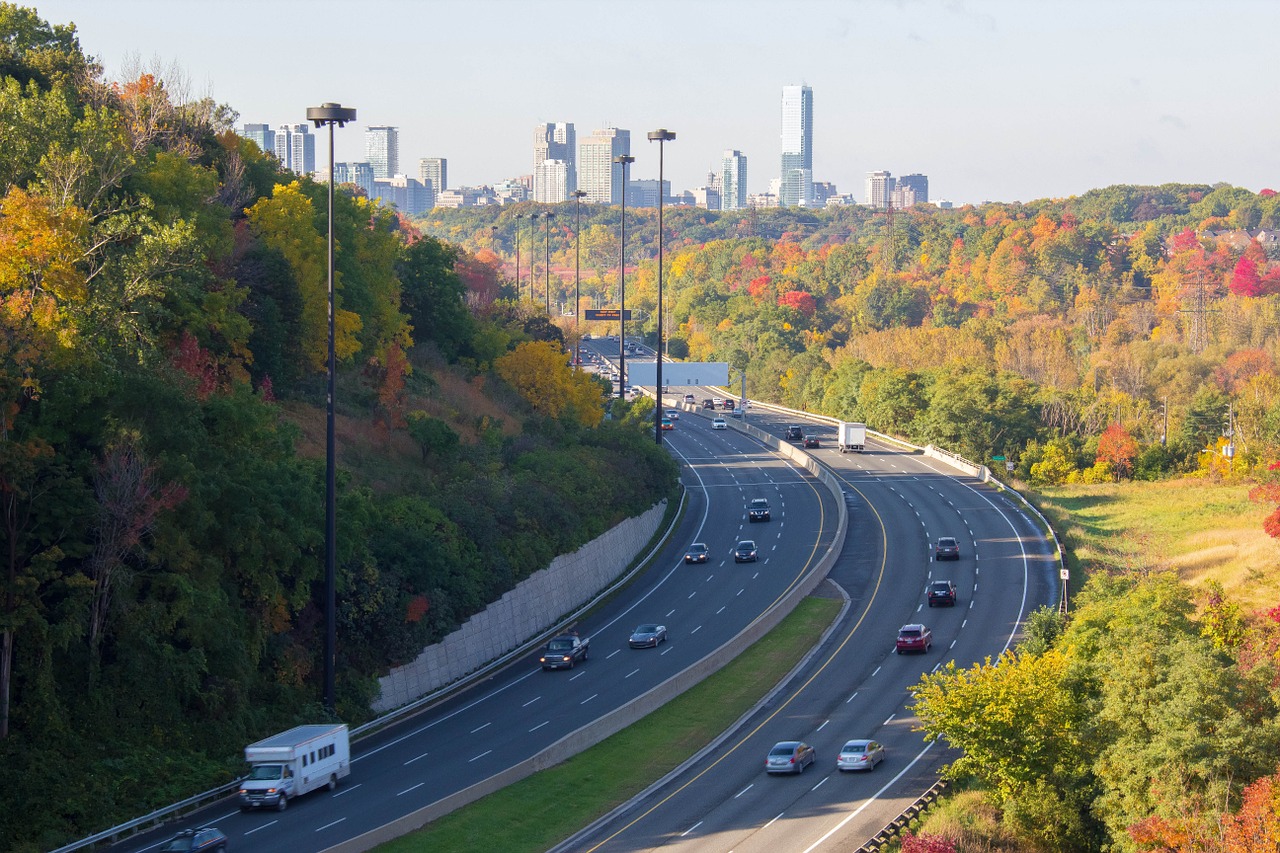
pixel 540 373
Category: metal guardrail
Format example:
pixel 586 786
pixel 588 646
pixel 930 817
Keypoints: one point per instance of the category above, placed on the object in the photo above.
pixel 197 801
pixel 902 821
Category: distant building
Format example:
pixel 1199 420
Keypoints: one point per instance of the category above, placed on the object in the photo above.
pixel 757 201
pixel 880 186
pixel 644 193
pixel 598 176
pixel 708 198
pixel 434 171
pixel 262 134
pixel 733 180
pixel 510 191
pixel 382 150
pixel 550 181
pixel 466 197
pixel 408 195
pixel 554 141
pixel 918 185
pixel 358 173
pixel 823 191
pixel 797 146
pixel 295 147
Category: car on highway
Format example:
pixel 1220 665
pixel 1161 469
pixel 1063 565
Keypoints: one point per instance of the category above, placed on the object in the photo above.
pixel 697 553
pixel 673 414
pixel 859 754
pixel 668 424
pixel 719 423
pixel 648 636
pixel 942 593
pixel 746 552
pixel 202 839
pixel 789 756
pixel 758 510
pixel 708 403
pixel 564 651
pixel 689 398
pixel 795 432
pixel 913 637
pixel 811 440
pixel 717 402
pixel 947 548
pixel 729 405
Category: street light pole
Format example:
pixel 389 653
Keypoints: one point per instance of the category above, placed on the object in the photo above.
pixel 577 254
pixel 330 114
pixel 661 136
pixel 548 215
pixel 624 160
pixel 519 216
pixel 532 217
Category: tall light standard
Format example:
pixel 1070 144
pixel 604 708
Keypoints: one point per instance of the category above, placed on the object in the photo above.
pixel 662 136
pixel 330 114
pixel 518 217
pixel 548 215
pixel 624 160
pixel 532 218
pixel 577 253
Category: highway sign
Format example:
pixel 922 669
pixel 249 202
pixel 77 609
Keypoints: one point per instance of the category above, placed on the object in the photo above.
pixel 604 314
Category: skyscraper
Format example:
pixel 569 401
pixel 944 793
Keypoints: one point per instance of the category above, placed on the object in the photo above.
pixel 913 189
pixel 435 171
pixel 296 148
pixel 262 134
pixel 554 141
pixel 598 176
pixel 797 146
pixel 733 180
pixel 382 150
pixel 358 173
pixel 879 189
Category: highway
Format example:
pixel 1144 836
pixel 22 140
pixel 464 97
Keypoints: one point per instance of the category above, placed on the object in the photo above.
pixel 855 686
pixel 521 710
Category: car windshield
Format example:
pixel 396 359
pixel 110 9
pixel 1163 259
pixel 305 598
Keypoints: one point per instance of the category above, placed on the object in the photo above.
pixel 911 633
pixel 264 771
pixel 560 645
pixel 746 546
pixel 696 547
pixel 647 629
pixel 855 747
pixel 947 543
pixel 783 751
pixel 942 587
pixel 759 503
pixel 177 844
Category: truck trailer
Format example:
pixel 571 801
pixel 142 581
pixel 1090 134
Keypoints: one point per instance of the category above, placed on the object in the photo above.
pixel 292 763
pixel 852 437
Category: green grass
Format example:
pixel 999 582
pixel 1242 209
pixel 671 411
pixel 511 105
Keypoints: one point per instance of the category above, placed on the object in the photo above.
pixel 590 784
pixel 1201 530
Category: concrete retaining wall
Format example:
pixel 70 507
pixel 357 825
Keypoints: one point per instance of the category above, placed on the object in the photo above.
pixel 523 613
pixel 592 733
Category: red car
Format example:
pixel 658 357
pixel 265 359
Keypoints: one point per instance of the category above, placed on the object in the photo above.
pixel 914 638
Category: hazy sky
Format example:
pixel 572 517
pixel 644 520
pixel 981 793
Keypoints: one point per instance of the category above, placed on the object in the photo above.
pixel 992 100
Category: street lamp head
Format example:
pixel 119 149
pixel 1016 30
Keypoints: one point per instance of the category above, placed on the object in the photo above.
pixel 331 113
pixel 624 159
pixel 661 135
pixel 549 214
pixel 579 193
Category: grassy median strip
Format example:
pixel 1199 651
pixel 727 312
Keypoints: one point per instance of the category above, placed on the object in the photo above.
pixel 544 809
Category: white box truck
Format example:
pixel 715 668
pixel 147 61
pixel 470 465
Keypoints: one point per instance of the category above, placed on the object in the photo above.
pixel 852 437
pixel 292 763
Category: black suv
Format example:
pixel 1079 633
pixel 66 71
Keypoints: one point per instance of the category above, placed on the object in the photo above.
pixel 942 592
pixel 758 510
pixel 795 433
pixel 946 549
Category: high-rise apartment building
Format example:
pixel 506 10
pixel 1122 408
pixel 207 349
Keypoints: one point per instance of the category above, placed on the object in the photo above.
pixel 435 172
pixel 733 180
pixel 262 134
pixel 359 173
pixel 295 147
pixel 382 150
pixel 554 141
pixel 913 189
pixel 880 187
pixel 409 195
pixel 598 176
pixel 797 146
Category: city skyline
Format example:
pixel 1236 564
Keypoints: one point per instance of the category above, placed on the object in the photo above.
pixel 993 100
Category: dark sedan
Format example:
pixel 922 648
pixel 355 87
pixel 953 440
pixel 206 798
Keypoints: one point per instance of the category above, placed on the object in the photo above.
pixel 745 552
pixel 697 553
pixel 811 440
pixel 648 636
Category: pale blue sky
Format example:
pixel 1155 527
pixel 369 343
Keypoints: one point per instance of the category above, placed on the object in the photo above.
pixel 992 100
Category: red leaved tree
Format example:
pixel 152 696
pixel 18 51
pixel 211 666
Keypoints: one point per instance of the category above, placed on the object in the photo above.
pixel 800 301
pixel 1245 280
pixel 1119 449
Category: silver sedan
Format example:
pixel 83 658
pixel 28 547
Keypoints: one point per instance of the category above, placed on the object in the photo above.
pixel 860 755
pixel 648 636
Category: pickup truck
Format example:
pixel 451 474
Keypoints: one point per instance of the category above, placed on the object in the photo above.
pixel 564 651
